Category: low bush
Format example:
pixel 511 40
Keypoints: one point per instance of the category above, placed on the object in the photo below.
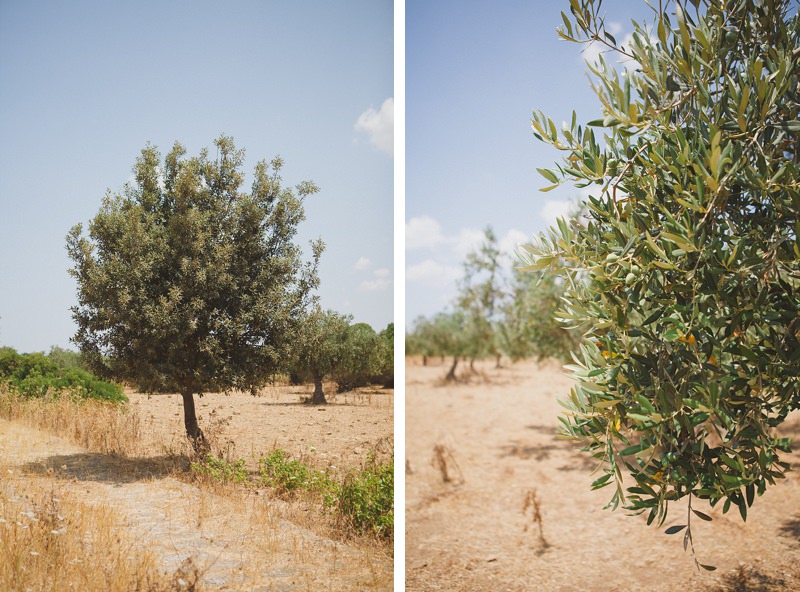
pixel 221 470
pixel 36 375
pixel 363 498
pixel 285 474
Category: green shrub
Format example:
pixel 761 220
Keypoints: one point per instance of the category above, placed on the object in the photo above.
pixel 285 474
pixel 221 470
pixel 36 375
pixel 366 498
pixel 65 358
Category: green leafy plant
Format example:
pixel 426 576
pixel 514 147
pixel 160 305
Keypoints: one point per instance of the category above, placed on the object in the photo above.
pixel 685 269
pixel 286 474
pixel 220 469
pixel 36 375
pixel 366 498
pixel 363 497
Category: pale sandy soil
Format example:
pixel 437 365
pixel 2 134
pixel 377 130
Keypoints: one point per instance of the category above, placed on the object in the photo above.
pixel 501 431
pixel 251 541
pixel 340 433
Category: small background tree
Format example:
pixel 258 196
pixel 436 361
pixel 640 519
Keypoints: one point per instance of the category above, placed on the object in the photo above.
pixel 480 292
pixel 385 374
pixel 529 325
pixel 187 284
pixel 320 349
pixel 360 357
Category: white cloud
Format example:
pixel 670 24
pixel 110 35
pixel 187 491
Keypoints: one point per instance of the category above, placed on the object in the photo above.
pixel 554 209
pixel 592 51
pixel 362 264
pixel 381 273
pixel 466 241
pixel 379 126
pixel 423 232
pixel 432 271
pixel 426 232
pixel 512 240
pixel 376 285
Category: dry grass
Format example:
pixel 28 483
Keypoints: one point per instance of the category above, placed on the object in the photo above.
pixel 95 425
pixel 51 541
pixel 117 432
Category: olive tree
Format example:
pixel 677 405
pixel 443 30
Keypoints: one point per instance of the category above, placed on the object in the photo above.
pixel 385 371
pixel 361 357
pixel 320 348
pixel 188 284
pixel 481 291
pixel 687 270
pixel 529 325
pixel 447 332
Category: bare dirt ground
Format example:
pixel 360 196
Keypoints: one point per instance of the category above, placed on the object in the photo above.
pixel 498 434
pixel 247 541
pixel 340 433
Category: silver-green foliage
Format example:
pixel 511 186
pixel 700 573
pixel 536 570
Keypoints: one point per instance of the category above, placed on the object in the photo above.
pixel 188 284
pixel 686 268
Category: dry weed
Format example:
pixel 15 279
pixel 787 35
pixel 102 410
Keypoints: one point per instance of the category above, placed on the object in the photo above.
pixel 532 501
pixel 445 461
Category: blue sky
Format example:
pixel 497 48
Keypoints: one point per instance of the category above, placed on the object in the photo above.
pixel 85 85
pixel 475 71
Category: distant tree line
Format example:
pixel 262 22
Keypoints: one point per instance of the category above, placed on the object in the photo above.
pixel 351 355
pixel 332 348
pixel 499 311
pixel 60 372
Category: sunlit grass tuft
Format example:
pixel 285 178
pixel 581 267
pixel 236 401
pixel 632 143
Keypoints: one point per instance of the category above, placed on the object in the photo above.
pixel 51 541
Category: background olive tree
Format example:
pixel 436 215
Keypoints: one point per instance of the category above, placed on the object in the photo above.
pixel 320 348
pixel 352 355
pixel 686 271
pixel 188 284
pixel 360 359
pixel 481 290
pixel 529 326
pixel 497 312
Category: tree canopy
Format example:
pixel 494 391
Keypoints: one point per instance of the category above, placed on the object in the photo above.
pixel 686 268
pixel 188 284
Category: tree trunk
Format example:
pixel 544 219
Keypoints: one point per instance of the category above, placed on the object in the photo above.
pixel 451 376
pixel 319 396
pixel 497 365
pixel 424 360
pixel 193 431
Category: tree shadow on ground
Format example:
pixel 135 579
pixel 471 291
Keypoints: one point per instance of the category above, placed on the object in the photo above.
pixel 791 528
pixel 543 429
pixel 750 579
pixel 540 450
pixel 535 451
pixel 92 466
